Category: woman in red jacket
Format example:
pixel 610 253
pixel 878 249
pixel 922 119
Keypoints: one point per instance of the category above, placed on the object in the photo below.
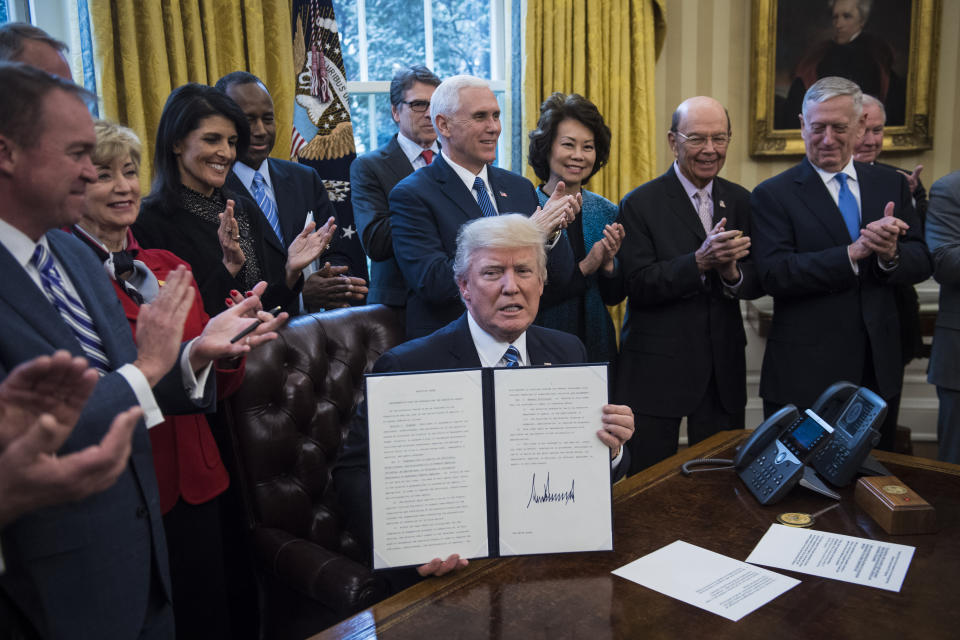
pixel 190 472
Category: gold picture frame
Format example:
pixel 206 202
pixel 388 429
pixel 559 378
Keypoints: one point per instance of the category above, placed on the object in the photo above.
pixel 913 133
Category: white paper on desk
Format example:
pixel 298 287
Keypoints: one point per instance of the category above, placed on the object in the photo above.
pixel 427 474
pixel 705 579
pixel 831 555
pixel 553 473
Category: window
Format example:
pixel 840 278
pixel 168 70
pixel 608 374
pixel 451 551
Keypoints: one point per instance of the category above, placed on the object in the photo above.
pixel 448 36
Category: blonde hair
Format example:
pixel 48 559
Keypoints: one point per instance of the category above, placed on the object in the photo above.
pixel 507 231
pixel 115 141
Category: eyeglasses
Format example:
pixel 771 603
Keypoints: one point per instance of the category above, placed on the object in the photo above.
pixel 417 105
pixel 697 141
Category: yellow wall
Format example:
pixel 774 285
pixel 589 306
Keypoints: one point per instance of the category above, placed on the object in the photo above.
pixel 707 51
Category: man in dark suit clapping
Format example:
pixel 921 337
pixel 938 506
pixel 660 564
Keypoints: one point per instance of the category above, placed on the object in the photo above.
pixel 685 261
pixel 429 207
pixel 832 239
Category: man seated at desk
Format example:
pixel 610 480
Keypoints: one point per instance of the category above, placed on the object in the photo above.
pixel 500 268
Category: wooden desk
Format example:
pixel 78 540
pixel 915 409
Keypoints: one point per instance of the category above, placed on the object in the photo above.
pixel 575 596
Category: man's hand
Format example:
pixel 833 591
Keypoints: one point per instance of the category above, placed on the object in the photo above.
pixel 559 210
pixel 214 343
pixel 438 567
pixel 307 247
pixel 31 474
pixel 881 236
pixel 160 326
pixel 58 384
pixel 721 250
pixel 617 427
pixel 229 235
pixel 332 288
pixel 913 179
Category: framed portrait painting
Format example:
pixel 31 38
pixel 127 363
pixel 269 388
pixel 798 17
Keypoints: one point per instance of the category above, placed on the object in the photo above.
pixel 888 47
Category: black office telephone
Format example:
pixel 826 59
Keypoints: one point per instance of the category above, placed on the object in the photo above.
pixel 853 411
pixel 774 459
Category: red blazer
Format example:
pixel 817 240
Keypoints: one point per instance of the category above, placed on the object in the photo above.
pixel 185 455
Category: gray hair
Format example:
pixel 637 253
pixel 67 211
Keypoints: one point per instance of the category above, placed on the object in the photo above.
pixel 446 99
pixel 834 87
pixel 506 231
pixel 863 6
pixel 870 100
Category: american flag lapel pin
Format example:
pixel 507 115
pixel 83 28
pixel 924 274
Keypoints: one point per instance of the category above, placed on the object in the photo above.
pixel 723 205
pixel 503 194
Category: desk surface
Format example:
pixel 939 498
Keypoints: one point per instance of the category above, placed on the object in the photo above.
pixel 575 595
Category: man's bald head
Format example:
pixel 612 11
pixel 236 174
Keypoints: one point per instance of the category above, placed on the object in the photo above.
pixel 699 135
pixel 22 42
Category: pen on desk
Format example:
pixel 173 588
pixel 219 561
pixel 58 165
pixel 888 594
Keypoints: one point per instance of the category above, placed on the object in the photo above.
pixel 253 325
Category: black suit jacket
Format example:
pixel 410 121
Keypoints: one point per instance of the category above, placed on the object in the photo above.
pixel 428 208
pixel 82 569
pixel 165 225
pixel 825 316
pixel 372 176
pixel 680 328
pixel 449 348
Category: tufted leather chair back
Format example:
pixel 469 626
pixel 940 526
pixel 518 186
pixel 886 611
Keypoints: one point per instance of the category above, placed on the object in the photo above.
pixel 288 422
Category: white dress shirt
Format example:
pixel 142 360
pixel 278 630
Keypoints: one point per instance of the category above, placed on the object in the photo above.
pixel 412 150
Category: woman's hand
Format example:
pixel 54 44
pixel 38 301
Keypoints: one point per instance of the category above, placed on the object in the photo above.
pixel 604 251
pixel 229 235
pixel 559 211
pixel 307 247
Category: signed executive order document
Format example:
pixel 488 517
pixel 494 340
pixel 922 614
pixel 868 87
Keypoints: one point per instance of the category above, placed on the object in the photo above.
pixel 487 463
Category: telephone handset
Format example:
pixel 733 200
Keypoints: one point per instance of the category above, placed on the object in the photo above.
pixel 853 411
pixel 773 460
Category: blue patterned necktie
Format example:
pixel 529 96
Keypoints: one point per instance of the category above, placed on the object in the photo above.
pixel 848 207
pixel 71 309
pixel 266 205
pixel 511 357
pixel 483 198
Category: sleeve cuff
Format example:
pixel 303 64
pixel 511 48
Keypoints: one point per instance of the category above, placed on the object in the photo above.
pixel 152 415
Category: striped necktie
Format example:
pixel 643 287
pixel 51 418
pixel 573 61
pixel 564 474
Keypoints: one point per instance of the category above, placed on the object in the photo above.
pixel 266 205
pixel 511 357
pixel 483 198
pixel 71 310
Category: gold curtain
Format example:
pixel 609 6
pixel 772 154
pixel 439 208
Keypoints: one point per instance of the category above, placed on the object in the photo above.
pixel 605 50
pixel 144 50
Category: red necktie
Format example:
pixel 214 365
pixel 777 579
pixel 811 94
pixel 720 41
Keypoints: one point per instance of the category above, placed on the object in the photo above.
pixel 427 155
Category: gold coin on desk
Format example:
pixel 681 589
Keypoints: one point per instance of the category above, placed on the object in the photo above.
pixel 895 489
pixel 801 520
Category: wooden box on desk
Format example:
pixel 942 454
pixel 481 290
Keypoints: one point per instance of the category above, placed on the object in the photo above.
pixel 896 507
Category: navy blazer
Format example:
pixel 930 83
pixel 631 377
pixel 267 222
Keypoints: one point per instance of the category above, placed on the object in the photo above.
pixel 449 348
pixel 372 176
pixel 82 569
pixel 680 329
pixel 299 190
pixel 825 316
pixel 428 208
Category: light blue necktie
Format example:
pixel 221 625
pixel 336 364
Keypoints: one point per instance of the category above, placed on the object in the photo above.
pixel 511 357
pixel 483 199
pixel 266 205
pixel 848 207
pixel 71 310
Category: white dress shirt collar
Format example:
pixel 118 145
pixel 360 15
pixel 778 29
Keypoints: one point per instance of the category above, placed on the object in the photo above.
pixel 833 186
pixel 690 188
pixel 468 177
pixel 20 246
pixel 412 150
pixel 491 350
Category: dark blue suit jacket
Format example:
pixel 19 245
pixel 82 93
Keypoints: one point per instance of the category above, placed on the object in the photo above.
pixel 825 316
pixel 82 570
pixel 449 348
pixel 372 176
pixel 428 208
pixel 299 190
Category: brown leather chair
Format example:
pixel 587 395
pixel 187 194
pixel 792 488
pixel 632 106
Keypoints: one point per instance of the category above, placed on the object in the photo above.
pixel 288 422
